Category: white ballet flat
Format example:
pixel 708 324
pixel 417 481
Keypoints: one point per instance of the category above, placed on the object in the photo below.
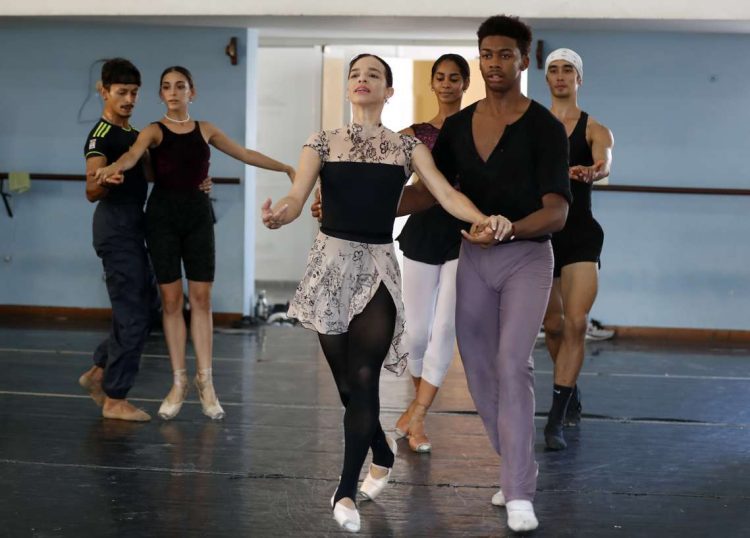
pixel 371 486
pixel 347 518
pixel 521 516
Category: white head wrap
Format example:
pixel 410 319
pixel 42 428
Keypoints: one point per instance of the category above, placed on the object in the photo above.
pixel 567 55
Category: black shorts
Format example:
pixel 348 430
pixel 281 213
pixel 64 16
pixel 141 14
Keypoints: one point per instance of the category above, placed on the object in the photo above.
pixel 180 231
pixel 579 241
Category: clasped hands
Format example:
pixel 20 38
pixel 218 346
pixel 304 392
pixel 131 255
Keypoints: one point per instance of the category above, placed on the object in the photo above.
pixel 491 231
pixel 108 176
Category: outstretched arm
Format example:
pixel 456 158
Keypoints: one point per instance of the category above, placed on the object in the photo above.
pixel 602 142
pixel 223 143
pixel 288 208
pixel 150 136
pixel 453 201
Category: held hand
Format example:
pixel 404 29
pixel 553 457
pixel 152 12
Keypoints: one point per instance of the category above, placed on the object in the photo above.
pixel 206 185
pixel 271 219
pixel 109 176
pixel 482 237
pixel 503 227
pixel 578 173
pixel 103 172
pixel 587 174
pixel 316 209
pixel 110 180
pixel 489 232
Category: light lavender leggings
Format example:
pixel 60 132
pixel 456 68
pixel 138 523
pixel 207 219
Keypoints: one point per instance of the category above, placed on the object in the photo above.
pixel 501 296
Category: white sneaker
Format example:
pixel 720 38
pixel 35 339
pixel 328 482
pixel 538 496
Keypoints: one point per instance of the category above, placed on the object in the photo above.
pixel 521 516
pixel 596 331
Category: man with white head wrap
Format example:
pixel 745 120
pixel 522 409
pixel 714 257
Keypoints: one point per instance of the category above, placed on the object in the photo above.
pixel 577 246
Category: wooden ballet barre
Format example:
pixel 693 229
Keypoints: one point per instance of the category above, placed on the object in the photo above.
pixel 673 190
pixel 612 188
pixel 76 177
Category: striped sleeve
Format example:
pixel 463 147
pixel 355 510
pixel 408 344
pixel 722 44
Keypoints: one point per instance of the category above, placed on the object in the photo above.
pixel 96 142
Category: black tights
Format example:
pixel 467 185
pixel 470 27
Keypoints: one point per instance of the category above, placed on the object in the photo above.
pixel 356 358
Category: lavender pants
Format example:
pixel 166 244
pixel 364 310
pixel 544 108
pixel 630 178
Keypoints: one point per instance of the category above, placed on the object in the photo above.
pixel 501 296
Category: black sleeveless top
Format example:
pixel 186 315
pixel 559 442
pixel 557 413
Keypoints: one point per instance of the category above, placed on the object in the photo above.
pixel 362 175
pixel 361 199
pixel 580 154
pixel 181 160
pixel 431 236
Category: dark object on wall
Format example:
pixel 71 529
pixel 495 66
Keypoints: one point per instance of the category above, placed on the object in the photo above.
pixel 5 196
pixel 540 54
pixel 231 50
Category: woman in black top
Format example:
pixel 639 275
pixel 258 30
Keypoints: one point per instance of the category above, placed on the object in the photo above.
pixel 179 224
pixel 351 292
pixel 430 241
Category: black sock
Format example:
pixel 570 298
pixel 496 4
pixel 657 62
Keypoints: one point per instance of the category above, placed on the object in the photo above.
pixel 560 398
pixel 573 397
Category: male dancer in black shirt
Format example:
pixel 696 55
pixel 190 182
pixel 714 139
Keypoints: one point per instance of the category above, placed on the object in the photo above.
pixel 577 246
pixel 118 229
pixel 510 157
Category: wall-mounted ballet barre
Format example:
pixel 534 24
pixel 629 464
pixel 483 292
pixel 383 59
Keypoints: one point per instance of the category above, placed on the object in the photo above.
pixel 610 187
pixel 673 190
pixel 75 177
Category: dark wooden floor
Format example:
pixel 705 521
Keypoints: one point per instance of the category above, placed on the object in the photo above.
pixel 664 449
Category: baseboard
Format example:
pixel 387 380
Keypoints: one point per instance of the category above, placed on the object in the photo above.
pixel 64 314
pixel 678 334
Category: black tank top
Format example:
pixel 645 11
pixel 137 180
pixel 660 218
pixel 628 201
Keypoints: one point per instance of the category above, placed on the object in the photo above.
pixel 580 154
pixel 181 160
pixel 361 200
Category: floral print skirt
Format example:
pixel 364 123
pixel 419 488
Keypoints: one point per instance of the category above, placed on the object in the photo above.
pixel 341 278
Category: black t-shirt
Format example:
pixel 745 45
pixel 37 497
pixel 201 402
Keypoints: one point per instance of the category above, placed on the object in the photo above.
pixel 111 141
pixel 529 161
